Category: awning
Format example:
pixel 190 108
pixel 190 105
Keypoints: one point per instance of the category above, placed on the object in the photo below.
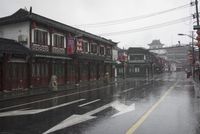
pixel 110 61
pixel 52 56
pixel 13 47
pixel 89 57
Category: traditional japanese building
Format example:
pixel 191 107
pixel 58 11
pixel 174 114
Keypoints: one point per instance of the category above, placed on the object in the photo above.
pixel 57 49
pixel 140 62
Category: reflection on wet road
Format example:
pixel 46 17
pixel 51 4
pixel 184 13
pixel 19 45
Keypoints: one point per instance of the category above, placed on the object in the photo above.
pixel 166 104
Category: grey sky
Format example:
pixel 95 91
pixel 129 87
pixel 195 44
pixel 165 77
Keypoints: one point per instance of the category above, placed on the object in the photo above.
pixel 78 12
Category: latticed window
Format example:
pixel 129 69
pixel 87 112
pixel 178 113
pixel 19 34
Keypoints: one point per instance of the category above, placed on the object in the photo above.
pixel 94 48
pixel 108 51
pixel 137 69
pixel 58 41
pixel 40 37
pixel 102 50
pixel 85 46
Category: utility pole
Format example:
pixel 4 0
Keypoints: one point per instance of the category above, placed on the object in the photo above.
pixel 197 16
pixel 197 12
pixel 193 55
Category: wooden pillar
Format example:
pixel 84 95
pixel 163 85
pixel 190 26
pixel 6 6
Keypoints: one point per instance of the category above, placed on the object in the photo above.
pixel 50 64
pixel 77 71
pixel 65 72
pixel 4 66
pixel 89 71
pixel 29 72
pixel 98 73
pixel 1 79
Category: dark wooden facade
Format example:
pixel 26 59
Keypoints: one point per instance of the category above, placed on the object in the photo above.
pixel 56 49
pixel 142 63
pixel 139 63
pixel 13 65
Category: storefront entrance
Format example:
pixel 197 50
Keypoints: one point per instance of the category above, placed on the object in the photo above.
pixel 16 76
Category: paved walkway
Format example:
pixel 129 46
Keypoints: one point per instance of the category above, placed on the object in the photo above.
pixel 196 86
pixel 39 91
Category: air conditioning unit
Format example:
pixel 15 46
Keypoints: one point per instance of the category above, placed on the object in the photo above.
pixel 23 39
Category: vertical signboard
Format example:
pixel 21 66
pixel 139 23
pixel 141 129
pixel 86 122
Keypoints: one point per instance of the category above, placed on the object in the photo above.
pixel 70 45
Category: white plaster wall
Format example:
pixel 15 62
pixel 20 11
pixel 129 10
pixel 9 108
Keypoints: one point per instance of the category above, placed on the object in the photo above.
pixel 12 31
pixel 115 54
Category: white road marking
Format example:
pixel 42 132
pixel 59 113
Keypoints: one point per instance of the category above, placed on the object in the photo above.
pixel 35 111
pixel 139 122
pixel 98 109
pixel 24 109
pixel 126 110
pixel 128 90
pixel 89 102
pixel 76 119
pixel 24 104
pixel 122 108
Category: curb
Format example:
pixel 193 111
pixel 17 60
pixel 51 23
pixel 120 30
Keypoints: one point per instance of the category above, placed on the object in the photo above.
pixel 196 88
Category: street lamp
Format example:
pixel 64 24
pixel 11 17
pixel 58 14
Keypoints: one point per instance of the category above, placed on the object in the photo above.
pixel 193 58
pixel 191 36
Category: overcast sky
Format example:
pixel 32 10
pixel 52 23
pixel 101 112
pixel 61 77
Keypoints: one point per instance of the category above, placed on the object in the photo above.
pixel 80 13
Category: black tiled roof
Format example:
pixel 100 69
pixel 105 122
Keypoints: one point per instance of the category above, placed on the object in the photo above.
pixel 11 46
pixel 19 16
pixel 137 49
pixel 23 15
pixel 88 56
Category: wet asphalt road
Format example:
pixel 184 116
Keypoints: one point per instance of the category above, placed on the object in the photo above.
pixel 167 104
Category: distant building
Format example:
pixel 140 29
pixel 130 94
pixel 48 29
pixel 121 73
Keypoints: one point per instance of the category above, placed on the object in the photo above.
pixel 139 62
pixel 155 44
pixel 177 55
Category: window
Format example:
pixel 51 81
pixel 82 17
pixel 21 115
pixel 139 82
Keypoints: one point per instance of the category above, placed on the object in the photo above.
pixel 102 50
pixel 40 37
pixel 136 57
pixel 131 70
pixel 85 46
pixel 137 69
pixel 58 41
pixel 94 48
pixel 108 51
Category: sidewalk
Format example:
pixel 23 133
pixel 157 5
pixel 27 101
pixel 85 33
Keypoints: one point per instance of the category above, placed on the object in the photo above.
pixel 42 91
pixel 39 91
pixel 196 83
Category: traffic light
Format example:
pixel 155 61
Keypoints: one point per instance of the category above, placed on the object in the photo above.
pixel 198 38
